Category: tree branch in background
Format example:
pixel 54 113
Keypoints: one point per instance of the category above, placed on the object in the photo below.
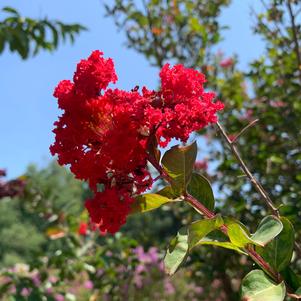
pixel 295 35
pixel 257 185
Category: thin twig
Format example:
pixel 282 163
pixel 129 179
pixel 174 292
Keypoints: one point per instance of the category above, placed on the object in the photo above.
pixel 246 170
pixel 264 195
pixel 295 36
pixel 244 129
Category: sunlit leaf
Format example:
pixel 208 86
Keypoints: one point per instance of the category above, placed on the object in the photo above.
pixel 256 286
pixel 279 251
pixel 199 229
pixel 149 201
pixel 176 252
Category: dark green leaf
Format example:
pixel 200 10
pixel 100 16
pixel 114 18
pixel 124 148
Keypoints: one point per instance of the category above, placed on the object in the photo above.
pixel 178 163
pixel 200 188
pixel 291 278
pixel 10 10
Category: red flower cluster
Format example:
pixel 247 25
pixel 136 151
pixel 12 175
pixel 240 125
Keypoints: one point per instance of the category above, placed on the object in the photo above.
pixel 104 134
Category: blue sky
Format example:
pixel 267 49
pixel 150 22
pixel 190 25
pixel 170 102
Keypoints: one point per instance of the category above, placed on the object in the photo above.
pixel 28 110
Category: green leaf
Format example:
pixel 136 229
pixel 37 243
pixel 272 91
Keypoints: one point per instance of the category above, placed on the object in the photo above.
pixel 168 192
pixel 176 252
pixel 200 188
pixel 278 253
pixel 178 163
pixel 296 294
pixel 256 286
pixel 10 10
pixel 291 278
pixel 237 233
pixel 147 202
pixel 222 244
pixel 198 230
pixel 268 229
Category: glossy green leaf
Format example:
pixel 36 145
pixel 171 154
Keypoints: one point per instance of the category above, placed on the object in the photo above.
pixel 268 229
pixel 176 252
pixel 291 278
pixel 256 286
pixel 149 201
pixel 278 253
pixel 199 229
pixel 237 233
pixel 200 188
pixel 178 163
pixel 222 244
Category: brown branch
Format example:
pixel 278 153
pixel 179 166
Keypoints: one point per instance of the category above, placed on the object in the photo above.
pixel 246 170
pixel 244 129
pixel 249 250
pixel 264 195
pixel 209 214
pixel 295 36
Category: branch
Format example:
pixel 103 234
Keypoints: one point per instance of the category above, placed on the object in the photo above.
pixel 264 195
pixel 249 250
pixel 209 214
pixel 295 36
pixel 247 172
pixel 244 129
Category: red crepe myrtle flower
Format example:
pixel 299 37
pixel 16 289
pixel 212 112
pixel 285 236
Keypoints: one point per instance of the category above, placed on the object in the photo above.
pixel 104 134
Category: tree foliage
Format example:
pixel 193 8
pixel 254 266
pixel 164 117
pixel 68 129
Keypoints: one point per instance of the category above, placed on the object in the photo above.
pixel 167 31
pixel 28 36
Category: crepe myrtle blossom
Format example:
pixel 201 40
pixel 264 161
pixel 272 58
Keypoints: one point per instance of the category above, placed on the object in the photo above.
pixel 104 134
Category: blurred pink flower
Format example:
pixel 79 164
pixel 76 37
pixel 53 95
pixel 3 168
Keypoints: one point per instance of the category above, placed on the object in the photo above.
pixel 36 280
pixel 168 287
pixel 59 297
pixel 277 104
pixel 227 63
pixel 88 285
pixel 25 292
